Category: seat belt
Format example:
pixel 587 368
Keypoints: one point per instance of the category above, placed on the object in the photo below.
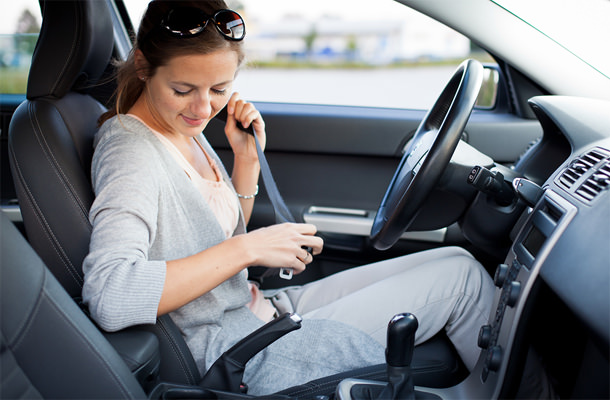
pixel 282 213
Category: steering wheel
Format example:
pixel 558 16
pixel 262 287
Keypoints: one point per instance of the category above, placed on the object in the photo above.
pixel 427 155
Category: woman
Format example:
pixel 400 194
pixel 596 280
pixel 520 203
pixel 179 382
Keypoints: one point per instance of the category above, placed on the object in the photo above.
pixel 169 224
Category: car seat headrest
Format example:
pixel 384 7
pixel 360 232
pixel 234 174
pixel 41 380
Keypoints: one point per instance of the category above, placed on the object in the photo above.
pixel 73 49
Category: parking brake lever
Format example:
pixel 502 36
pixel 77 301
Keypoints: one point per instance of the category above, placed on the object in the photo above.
pixel 227 372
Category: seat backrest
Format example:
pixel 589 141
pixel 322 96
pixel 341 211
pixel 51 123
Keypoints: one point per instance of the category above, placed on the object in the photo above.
pixel 51 134
pixel 51 147
pixel 49 348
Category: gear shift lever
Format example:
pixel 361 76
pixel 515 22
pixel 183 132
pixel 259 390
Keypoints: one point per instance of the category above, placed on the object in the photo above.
pixel 401 340
pixel 398 354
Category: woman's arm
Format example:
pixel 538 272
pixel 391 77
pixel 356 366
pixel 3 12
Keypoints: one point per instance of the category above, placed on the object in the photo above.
pixel 244 178
pixel 122 286
pixel 246 167
pixel 277 246
pixel 125 283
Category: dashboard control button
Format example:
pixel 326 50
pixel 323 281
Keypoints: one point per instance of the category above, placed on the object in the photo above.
pixel 484 336
pixel 494 358
pixel 501 275
pixel 513 293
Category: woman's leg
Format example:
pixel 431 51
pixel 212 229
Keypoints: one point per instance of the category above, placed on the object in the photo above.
pixel 444 288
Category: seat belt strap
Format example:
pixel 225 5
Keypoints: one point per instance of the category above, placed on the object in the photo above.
pixel 282 213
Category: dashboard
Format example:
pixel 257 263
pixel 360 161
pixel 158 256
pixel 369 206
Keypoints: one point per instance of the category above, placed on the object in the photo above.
pixel 549 332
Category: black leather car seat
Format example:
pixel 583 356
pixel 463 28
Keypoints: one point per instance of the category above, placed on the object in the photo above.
pixel 50 149
pixel 51 146
pixel 48 347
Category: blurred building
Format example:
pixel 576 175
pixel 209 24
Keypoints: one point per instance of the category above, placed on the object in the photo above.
pixel 376 42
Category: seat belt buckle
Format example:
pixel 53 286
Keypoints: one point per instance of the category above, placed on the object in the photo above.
pixel 286 273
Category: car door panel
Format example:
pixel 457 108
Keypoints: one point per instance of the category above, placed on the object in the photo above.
pixel 332 165
pixel 344 157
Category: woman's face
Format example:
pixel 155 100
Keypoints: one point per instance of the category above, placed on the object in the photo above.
pixel 190 90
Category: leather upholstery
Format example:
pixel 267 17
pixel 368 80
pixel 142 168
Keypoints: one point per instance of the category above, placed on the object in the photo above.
pixel 50 149
pixel 51 175
pixel 49 348
pixel 51 134
pixel 73 50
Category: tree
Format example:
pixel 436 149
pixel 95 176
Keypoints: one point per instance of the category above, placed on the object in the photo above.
pixel 26 30
pixel 310 38
pixel 352 48
pixel 27 23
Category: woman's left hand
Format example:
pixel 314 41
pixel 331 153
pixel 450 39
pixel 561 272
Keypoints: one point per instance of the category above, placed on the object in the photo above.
pixel 241 142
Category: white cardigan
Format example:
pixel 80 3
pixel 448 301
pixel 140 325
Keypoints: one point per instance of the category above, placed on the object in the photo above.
pixel 147 211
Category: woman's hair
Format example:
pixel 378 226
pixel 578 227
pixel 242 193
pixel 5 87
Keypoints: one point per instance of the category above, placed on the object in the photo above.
pixel 159 47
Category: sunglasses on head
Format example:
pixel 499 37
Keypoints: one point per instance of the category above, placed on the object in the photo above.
pixel 191 21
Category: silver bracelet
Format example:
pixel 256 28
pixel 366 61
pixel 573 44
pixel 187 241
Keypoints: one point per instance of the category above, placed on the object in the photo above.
pixel 241 196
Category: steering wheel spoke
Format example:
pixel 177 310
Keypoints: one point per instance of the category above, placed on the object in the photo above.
pixel 427 155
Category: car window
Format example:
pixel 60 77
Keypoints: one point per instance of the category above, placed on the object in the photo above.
pixel 19 28
pixel 343 52
pixel 579 26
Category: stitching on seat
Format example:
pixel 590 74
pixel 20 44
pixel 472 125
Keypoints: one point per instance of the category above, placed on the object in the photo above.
pixel 24 326
pixel 45 226
pixel 26 391
pixel 73 194
pixel 177 351
pixel 88 344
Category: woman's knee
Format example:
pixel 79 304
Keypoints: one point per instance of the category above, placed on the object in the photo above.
pixel 462 273
pixel 473 272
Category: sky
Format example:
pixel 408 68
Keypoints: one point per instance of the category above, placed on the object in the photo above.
pixel 274 9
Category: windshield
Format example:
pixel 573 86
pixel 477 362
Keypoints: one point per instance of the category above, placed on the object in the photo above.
pixel 580 26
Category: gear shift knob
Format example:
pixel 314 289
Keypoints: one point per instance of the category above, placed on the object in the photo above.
pixel 398 355
pixel 401 340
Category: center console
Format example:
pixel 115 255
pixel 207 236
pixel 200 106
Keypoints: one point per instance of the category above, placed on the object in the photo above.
pixel 514 279
pixel 542 224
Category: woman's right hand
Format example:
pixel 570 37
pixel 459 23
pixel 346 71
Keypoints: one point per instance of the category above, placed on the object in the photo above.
pixel 282 246
pixel 277 246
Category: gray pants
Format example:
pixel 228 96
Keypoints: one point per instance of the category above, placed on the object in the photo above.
pixel 444 288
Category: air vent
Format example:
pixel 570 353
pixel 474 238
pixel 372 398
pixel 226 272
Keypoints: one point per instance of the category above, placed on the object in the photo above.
pixel 599 180
pixel 588 175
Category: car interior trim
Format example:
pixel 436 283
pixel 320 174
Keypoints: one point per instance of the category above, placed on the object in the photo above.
pixel 13 212
pixel 356 222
